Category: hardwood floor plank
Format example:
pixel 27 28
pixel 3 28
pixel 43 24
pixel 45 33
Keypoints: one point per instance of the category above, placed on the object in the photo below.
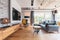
pixel 27 34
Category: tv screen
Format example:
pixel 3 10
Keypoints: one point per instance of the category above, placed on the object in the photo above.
pixel 16 15
pixel 26 16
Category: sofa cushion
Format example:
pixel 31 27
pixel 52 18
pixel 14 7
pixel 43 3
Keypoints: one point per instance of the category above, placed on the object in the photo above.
pixel 50 22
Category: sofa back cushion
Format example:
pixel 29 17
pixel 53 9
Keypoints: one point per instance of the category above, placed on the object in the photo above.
pixel 50 22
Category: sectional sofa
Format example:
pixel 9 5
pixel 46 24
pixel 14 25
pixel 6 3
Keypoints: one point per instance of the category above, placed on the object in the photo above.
pixel 49 26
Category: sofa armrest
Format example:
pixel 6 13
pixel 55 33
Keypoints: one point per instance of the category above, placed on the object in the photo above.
pixel 52 28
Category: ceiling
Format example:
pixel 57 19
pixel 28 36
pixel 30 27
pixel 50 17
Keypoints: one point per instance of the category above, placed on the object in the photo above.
pixel 24 3
pixel 40 3
pixel 49 3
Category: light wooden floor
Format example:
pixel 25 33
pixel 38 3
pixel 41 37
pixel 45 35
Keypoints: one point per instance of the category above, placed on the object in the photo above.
pixel 27 34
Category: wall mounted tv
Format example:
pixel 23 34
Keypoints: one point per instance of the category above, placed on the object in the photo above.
pixel 16 15
pixel 26 16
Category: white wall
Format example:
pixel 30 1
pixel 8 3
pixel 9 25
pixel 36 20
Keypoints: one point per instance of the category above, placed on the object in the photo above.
pixel 14 4
pixel 27 13
pixel 4 11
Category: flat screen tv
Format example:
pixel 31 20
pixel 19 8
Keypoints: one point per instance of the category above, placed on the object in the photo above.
pixel 16 15
pixel 26 16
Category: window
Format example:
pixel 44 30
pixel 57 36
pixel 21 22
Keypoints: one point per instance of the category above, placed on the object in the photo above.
pixel 48 16
pixel 57 16
pixel 39 17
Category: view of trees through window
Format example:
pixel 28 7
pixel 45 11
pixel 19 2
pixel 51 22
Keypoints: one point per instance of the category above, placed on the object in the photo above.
pixel 39 17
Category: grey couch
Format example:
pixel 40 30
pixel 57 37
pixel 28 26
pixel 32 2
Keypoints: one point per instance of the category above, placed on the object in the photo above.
pixel 49 27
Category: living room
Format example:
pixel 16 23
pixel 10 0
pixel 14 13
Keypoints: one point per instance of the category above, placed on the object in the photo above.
pixel 29 19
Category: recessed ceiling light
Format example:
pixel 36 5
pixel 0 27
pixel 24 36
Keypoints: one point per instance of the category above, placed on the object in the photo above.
pixel 41 4
pixel 55 5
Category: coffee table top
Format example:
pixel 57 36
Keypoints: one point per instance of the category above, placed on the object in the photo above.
pixel 36 27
